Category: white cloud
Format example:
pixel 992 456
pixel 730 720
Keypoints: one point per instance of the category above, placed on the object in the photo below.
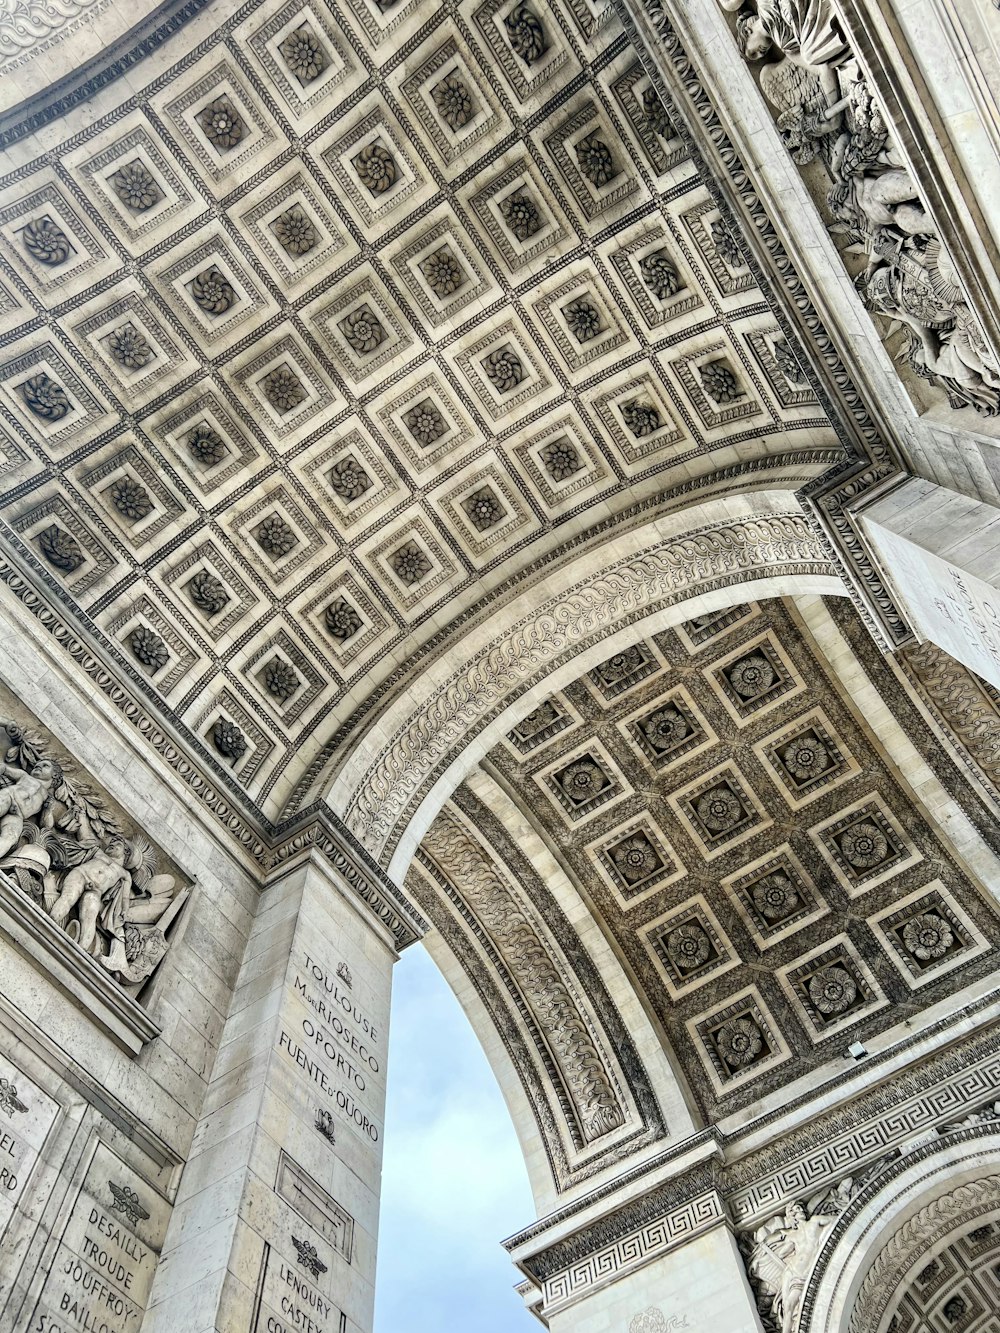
pixel 453 1180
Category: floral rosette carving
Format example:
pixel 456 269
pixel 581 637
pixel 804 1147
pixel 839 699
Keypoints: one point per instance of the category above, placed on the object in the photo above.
pixel 775 896
pixel 60 549
pixel 228 739
pixel 443 272
pixel 342 620
pixel 596 160
pixel 719 810
pixel 135 186
pixel 583 319
pixel 130 347
pixel 521 215
pixel 832 990
pixel 864 845
pixel 376 168
pixel 148 648
pixel 295 231
pixel 303 53
pixel 349 479
pixel 688 946
pixel 363 330
pixel 208 593
pixel 483 508
pixel 928 937
pixel 280 679
pixel 740 1042
pixel 806 758
pixel 635 858
pixel 504 369
pixel 46 241
pixel 560 459
pixel 213 291
pixel 425 423
pixel 526 34
pixel 622 665
pixel 45 397
pixel 642 419
pixel 223 125
pixel 659 273
pixel 283 389
pixel 725 244
pixel 751 675
pixel 206 445
pixel 410 563
pixel 665 728
pixel 583 780
pixel 275 536
pixel 131 499
pixel 720 383
pixel 654 113
pixel 453 101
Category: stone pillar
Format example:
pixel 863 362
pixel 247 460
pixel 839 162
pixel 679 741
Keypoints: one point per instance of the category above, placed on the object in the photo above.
pixel 941 552
pixel 275 1223
pixel 652 1257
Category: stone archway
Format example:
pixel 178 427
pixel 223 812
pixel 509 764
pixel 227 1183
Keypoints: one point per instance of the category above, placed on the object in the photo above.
pixel 916 1250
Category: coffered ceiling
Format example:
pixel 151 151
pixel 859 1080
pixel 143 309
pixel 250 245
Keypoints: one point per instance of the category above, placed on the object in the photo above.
pixel 335 321
pixel 748 845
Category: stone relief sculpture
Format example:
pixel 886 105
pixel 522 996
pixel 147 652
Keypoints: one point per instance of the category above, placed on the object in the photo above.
pixel 826 113
pixel 67 853
pixel 781 1254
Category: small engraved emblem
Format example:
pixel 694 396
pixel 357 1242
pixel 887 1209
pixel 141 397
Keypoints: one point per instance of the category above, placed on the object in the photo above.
pixel 344 972
pixel 309 1256
pixel 324 1123
pixel 10 1102
pixel 126 1201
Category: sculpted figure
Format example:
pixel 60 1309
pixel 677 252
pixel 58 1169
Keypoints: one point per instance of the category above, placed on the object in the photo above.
pixel 825 109
pixel 87 884
pixel 805 32
pixel 64 850
pixel 27 795
pixel 782 1258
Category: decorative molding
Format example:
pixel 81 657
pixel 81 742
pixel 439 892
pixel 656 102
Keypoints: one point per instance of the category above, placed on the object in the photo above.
pixel 915 1239
pixel 25 24
pixel 875 1123
pixel 963 707
pixel 674 1226
pixel 324 834
pixel 765 545
pixel 594 1102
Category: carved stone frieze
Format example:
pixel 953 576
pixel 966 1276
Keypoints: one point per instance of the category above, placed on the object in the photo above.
pixel 962 703
pixel 539 975
pixel 828 114
pixel 71 856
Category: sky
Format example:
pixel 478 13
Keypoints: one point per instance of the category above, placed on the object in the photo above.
pixel 453 1179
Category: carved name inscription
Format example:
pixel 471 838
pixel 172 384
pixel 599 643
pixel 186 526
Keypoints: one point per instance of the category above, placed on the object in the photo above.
pixel 335 1045
pixel 290 1300
pixel 26 1117
pixel 103 1269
